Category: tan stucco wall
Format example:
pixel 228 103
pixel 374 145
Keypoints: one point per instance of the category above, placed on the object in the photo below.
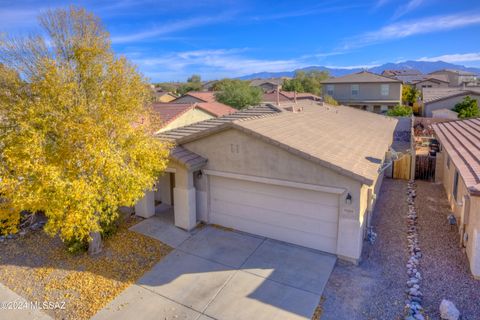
pixel 468 215
pixel 166 98
pixel 189 117
pixel 447 104
pixel 237 152
pixel 431 84
pixel 367 92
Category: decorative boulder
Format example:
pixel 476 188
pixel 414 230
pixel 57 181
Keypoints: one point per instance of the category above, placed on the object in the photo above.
pixel 448 311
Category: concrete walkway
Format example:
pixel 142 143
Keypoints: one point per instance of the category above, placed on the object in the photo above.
pixel 21 308
pixel 218 274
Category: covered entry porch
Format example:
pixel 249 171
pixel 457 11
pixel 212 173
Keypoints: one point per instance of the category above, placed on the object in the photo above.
pixel 180 194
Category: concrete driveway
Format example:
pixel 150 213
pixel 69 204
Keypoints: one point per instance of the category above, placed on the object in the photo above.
pixel 219 274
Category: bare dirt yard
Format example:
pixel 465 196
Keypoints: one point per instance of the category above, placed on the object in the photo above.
pixel 39 268
pixel 444 265
pixel 375 289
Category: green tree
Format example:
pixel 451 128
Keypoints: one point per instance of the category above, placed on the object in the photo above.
pixel 194 83
pixel 238 94
pixel 400 111
pixel 73 141
pixel 330 100
pixel 310 81
pixel 410 95
pixel 467 108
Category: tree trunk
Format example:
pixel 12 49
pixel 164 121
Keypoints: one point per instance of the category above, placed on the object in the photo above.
pixel 95 245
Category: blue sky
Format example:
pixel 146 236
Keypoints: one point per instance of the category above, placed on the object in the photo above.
pixel 170 40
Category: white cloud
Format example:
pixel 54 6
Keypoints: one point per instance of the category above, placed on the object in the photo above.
pixel 411 28
pixel 170 27
pixel 452 58
pixel 406 8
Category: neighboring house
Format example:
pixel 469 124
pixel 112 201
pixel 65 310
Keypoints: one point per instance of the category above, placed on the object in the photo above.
pixel 458 168
pixel 309 176
pixel 433 81
pixel 174 115
pixel 444 114
pixel 208 85
pixel 196 96
pixel 407 76
pixel 268 85
pixel 445 98
pixel 457 78
pixel 365 90
pixel 164 96
pixel 286 96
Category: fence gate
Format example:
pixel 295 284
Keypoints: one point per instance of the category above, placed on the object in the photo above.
pixel 401 167
pixel 425 167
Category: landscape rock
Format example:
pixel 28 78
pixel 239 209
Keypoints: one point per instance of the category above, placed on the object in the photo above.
pixel 448 311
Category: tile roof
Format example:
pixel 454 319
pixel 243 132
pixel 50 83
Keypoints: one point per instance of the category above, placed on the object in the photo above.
pixel 350 141
pixel 324 134
pixel 216 108
pixel 171 111
pixel 206 96
pixel 274 81
pixel 287 96
pixel 461 140
pixel 361 77
pixel 190 132
pixel 436 94
pixel 459 72
pixel 189 159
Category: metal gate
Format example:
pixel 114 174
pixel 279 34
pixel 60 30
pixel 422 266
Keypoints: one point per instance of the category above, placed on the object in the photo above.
pixel 425 167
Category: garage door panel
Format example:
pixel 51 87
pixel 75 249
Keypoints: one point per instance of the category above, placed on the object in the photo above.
pixel 305 217
pixel 277 203
pixel 278 218
pixel 327 244
pixel 278 191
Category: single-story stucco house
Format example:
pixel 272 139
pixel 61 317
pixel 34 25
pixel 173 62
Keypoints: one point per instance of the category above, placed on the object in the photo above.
pixel 174 115
pixel 445 98
pixel 458 168
pixel 305 175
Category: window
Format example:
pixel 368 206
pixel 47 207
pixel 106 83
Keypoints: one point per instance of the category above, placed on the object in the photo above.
pixel 354 88
pixel 330 89
pixel 455 185
pixel 385 89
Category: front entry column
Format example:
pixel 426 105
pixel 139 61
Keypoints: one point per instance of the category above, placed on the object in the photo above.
pixel 185 200
pixel 145 207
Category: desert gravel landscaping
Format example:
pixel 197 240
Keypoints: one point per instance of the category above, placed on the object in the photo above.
pixel 444 267
pixel 39 268
pixel 375 289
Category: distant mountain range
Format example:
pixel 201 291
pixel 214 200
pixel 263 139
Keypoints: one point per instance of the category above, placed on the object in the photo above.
pixel 422 66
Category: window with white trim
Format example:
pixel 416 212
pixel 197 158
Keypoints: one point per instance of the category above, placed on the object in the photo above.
pixel 385 89
pixel 355 89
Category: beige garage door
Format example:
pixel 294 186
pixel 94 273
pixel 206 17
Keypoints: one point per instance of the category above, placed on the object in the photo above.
pixel 304 217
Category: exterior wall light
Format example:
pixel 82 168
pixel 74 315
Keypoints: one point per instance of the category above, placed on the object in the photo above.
pixel 348 199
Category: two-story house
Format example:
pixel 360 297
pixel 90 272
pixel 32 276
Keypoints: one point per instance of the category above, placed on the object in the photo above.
pixel 365 90
pixel 457 78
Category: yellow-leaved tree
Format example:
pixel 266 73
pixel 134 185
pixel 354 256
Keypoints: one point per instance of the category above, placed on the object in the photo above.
pixel 74 140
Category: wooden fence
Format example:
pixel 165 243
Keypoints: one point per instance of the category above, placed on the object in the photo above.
pixel 402 167
pixel 425 167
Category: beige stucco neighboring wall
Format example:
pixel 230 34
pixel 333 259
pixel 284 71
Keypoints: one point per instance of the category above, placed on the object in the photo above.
pixel 446 104
pixel 234 151
pixel 367 92
pixel 431 84
pixel 189 117
pixel 466 209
